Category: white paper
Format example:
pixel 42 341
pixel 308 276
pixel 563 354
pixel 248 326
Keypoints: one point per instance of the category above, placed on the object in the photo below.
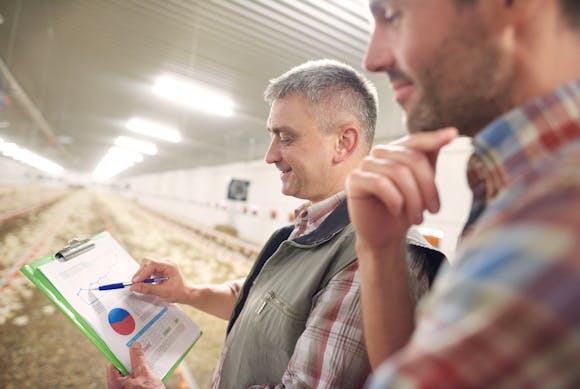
pixel 120 316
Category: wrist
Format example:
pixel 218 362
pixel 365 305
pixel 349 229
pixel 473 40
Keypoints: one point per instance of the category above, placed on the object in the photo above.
pixel 393 249
pixel 190 294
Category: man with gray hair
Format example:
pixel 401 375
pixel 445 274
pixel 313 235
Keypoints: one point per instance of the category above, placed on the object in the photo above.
pixel 295 320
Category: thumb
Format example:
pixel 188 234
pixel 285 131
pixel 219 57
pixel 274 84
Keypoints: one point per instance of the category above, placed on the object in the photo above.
pixel 114 379
pixel 153 289
pixel 138 363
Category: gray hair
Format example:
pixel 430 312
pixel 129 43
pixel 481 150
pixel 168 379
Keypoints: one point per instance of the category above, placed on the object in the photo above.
pixel 334 87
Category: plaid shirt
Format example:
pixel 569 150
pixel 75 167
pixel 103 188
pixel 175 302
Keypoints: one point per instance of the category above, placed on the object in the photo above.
pixel 507 313
pixel 334 328
pixel 310 216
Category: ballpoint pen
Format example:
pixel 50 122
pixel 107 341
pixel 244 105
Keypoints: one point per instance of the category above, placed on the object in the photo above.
pixel 120 285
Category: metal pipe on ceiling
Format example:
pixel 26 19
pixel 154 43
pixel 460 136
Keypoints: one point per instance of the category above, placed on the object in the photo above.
pixel 20 95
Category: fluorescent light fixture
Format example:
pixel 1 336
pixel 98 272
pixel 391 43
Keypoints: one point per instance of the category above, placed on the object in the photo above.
pixel 139 146
pixel 152 129
pixel 115 161
pixel 20 154
pixel 194 96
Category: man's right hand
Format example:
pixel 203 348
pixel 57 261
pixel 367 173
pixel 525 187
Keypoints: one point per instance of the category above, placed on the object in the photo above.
pixel 172 290
pixel 388 193
pixel 392 187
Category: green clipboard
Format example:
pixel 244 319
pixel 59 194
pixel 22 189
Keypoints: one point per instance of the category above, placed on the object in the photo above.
pixel 75 248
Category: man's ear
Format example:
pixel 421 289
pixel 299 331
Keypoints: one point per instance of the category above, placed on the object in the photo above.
pixel 347 143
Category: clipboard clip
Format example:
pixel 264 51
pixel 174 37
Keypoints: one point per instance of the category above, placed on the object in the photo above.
pixel 74 248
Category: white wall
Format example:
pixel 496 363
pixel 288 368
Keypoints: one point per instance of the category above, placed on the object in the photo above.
pixel 454 194
pixel 199 196
pixel 13 172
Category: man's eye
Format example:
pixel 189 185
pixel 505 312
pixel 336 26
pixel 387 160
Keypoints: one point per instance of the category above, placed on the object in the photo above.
pixel 285 141
pixel 391 15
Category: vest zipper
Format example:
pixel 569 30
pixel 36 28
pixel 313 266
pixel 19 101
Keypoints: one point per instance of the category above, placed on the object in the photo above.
pixel 270 297
pixel 267 298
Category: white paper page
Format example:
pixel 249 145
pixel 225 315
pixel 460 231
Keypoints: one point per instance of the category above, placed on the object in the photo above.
pixel 119 316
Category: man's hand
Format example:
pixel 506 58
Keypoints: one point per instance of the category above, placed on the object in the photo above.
pixel 393 186
pixel 172 290
pixel 386 195
pixel 140 378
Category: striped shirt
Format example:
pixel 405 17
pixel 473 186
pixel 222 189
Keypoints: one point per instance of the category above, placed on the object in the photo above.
pixel 333 331
pixel 507 313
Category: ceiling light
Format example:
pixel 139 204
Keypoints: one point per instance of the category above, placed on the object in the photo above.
pixel 194 96
pixel 139 146
pixel 12 150
pixel 114 162
pixel 155 130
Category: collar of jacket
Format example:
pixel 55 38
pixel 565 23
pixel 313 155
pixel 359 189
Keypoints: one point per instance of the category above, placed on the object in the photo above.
pixel 333 224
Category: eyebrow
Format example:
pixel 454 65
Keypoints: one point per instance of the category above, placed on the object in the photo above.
pixel 278 130
pixel 377 6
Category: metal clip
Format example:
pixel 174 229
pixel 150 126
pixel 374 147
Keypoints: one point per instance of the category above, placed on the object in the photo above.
pixel 74 248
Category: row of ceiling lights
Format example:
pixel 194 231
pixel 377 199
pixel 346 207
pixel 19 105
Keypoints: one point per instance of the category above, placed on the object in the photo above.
pixel 12 150
pixel 128 151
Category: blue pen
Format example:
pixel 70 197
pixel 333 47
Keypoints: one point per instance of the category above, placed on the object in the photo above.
pixel 121 285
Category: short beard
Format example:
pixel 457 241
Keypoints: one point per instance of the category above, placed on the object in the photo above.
pixel 469 98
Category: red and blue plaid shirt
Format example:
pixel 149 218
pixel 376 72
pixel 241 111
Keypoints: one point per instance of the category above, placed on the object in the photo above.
pixel 507 313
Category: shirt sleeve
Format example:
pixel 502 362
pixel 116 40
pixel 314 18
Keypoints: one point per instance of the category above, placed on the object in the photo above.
pixel 332 343
pixel 505 315
pixel 236 286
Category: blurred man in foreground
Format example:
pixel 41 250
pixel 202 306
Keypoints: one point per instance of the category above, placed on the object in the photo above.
pixel 506 313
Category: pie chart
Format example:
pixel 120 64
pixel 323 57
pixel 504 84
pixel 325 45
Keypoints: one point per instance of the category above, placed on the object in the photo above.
pixel 121 321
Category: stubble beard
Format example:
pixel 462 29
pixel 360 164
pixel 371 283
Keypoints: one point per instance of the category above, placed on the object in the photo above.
pixel 467 98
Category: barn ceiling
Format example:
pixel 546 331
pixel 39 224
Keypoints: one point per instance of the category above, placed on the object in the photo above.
pixel 73 72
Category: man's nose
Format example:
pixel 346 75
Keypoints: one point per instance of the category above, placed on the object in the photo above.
pixel 273 153
pixel 379 56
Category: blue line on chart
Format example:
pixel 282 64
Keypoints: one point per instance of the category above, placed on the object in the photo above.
pixel 146 327
pixel 93 297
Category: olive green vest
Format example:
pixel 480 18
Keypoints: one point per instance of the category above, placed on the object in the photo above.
pixel 276 299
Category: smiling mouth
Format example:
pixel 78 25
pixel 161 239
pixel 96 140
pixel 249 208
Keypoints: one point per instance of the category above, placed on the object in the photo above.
pixel 402 91
pixel 284 172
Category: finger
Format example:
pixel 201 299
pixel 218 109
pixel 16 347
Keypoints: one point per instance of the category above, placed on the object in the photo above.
pixel 420 167
pixel 429 141
pixel 362 185
pixel 151 268
pixel 402 177
pixel 157 269
pixel 114 378
pixel 145 270
pixel 155 289
pixel 138 362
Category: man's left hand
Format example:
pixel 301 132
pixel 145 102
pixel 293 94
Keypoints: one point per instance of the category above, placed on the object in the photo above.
pixel 141 378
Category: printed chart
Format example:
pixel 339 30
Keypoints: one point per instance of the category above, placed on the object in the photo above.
pixel 121 321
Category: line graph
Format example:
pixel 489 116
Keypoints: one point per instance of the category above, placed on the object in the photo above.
pixel 90 296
